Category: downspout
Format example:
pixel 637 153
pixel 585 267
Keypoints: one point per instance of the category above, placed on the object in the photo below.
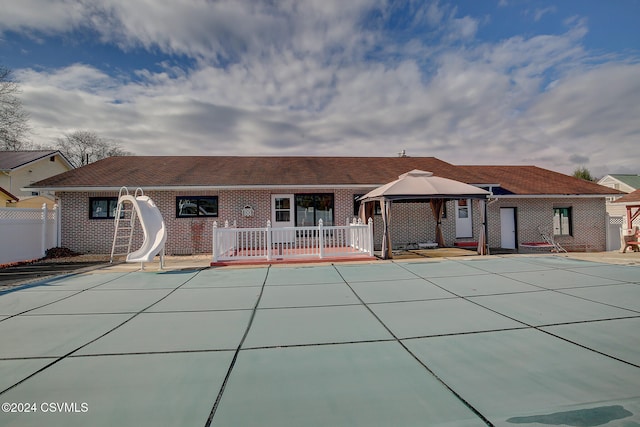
pixel 486 218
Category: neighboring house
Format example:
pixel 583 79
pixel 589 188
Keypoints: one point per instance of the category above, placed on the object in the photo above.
pixel 6 198
pixel 193 192
pixel 627 183
pixel 19 169
pixel 624 182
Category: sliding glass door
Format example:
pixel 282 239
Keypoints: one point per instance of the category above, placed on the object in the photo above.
pixel 311 208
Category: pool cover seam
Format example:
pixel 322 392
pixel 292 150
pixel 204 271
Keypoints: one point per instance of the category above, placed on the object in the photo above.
pixel 589 348
pixel 593 264
pixel 416 358
pixel 542 288
pixel 223 387
pixel 135 312
pixel 334 343
pixel 59 359
pixel 58 300
pixel 599 302
pixel 538 327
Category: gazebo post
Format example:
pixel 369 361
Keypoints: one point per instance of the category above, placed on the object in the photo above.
pixel 387 249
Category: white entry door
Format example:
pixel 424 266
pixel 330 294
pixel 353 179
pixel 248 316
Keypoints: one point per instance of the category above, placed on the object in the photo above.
pixel 508 228
pixel 282 215
pixel 464 225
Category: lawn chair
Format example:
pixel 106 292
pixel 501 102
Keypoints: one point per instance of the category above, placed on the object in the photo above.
pixel 630 239
pixel 548 237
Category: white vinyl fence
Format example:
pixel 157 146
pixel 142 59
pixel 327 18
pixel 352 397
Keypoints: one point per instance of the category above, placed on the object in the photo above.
pixel 26 234
pixel 269 243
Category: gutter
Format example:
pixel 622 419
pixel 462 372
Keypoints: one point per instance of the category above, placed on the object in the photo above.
pixel 293 187
pixel 552 196
pixel 203 187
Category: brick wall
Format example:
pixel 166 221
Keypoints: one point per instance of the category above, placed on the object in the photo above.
pixel 185 235
pixel 413 222
pixel 410 222
pixel 588 217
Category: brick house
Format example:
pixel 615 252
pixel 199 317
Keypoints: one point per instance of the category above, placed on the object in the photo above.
pixel 193 192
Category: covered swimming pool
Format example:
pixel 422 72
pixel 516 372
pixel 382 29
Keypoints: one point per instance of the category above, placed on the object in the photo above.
pixel 504 341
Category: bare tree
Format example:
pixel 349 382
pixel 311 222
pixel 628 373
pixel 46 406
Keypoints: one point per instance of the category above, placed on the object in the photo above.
pixel 14 121
pixel 83 147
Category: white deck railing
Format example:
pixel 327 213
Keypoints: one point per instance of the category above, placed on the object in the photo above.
pixel 269 243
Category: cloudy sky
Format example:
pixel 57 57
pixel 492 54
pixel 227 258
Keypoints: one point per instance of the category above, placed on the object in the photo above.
pixel 550 83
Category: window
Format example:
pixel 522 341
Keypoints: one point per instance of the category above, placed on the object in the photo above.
pixel 463 210
pixel 102 207
pixel 311 208
pixel 356 206
pixel 282 209
pixel 562 222
pixel 194 206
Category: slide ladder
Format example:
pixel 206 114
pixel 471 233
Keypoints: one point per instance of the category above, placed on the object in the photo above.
pixel 125 221
pixel 130 211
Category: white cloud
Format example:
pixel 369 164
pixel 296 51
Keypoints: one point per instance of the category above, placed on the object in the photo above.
pixel 298 78
pixel 539 13
pixel 594 111
pixel 45 16
pixel 464 28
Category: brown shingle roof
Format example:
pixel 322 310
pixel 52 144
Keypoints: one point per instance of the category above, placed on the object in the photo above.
pixel 633 197
pixel 174 171
pixel 532 180
pixel 232 171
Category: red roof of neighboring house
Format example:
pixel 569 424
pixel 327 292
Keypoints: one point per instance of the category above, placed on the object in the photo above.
pixel 236 171
pixel 633 197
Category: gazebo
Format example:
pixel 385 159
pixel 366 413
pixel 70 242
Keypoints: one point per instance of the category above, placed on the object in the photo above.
pixel 422 185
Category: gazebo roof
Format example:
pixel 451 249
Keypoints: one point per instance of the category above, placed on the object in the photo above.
pixel 418 184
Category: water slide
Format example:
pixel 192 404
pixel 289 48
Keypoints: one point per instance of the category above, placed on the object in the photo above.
pixel 155 232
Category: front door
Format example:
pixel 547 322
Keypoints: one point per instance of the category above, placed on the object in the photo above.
pixel 508 228
pixel 464 226
pixel 282 215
